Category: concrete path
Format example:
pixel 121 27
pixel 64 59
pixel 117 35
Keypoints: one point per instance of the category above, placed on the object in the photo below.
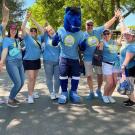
pixel 47 117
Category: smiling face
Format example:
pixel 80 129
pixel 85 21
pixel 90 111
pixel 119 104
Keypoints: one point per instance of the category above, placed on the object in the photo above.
pixel 13 30
pixel 128 37
pixel 89 26
pixel 33 32
pixel 50 30
pixel 107 35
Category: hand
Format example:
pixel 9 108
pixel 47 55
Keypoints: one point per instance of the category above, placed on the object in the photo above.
pixel 28 15
pixel 117 13
pixel 5 8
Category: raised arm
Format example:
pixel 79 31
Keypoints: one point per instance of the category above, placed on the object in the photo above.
pixel 123 27
pixel 40 28
pixel 114 18
pixel 23 27
pixel 5 14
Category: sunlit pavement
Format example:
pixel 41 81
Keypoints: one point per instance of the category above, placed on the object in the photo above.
pixel 46 117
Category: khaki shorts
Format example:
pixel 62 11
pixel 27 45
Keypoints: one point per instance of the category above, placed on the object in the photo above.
pixel 90 69
pixel 109 69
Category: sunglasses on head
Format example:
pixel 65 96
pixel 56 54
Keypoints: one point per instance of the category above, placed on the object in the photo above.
pixel 107 33
pixel 89 24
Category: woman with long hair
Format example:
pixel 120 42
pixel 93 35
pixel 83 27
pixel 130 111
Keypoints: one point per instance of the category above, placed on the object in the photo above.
pixel 11 56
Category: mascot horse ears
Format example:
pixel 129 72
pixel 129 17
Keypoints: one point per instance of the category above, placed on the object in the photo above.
pixel 73 9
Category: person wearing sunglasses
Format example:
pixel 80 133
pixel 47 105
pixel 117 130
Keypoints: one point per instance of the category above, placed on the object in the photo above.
pixel 31 59
pixel 50 59
pixel 5 14
pixel 93 36
pixel 110 65
pixel 12 57
pixel 127 60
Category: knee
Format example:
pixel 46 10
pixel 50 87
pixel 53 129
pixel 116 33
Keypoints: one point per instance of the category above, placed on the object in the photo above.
pixel 110 84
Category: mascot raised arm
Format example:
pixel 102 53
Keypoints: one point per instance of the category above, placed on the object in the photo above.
pixel 70 38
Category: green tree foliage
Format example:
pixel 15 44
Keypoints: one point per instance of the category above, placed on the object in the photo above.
pixel 99 11
pixel 15 8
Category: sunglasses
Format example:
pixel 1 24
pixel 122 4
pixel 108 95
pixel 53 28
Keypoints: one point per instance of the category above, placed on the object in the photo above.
pixel 106 33
pixel 33 31
pixel 89 24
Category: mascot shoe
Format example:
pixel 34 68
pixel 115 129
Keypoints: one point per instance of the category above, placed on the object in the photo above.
pixel 63 98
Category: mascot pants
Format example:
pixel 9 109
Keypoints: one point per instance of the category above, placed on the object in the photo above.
pixel 69 68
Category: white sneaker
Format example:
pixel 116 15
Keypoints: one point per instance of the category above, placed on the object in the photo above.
pixel 30 100
pixel 52 96
pixel 35 95
pixel 106 99
pixel 112 100
pixel 57 95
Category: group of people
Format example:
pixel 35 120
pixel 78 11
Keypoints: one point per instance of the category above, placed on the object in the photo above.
pixel 114 61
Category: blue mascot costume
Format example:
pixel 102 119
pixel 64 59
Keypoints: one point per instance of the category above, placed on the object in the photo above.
pixel 70 38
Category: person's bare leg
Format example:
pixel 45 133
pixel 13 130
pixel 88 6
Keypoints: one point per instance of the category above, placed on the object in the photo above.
pixel 90 82
pixel 32 75
pixel 99 80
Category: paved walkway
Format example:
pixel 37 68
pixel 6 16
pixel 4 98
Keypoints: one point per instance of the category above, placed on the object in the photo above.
pixel 49 118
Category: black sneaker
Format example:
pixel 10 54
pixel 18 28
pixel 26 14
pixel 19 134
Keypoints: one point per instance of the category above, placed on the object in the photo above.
pixel 130 104
pixel 12 104
pixel 126 101
pixel 17 102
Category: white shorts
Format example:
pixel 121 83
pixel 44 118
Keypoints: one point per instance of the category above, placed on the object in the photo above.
pixel 90 69
pixel 109 69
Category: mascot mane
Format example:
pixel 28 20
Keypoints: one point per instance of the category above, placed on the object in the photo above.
pixel 72 19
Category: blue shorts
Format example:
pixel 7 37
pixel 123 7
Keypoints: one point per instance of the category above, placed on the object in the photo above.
pixel 69 67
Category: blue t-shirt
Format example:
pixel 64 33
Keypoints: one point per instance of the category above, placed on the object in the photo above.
pixel 130 48
pixel 50 53
pixel 32 49
pixel 110 51
pixel 93 39
pixel 69 43
pixel 13 48
pixel 1 38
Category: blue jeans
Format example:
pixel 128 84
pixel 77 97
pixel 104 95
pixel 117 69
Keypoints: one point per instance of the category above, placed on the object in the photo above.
pixel 52 75
pixel 16 73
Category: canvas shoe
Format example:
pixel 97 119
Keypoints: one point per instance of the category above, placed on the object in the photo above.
pixel 105 99
pixel 112 100
pixel 30 99
pixel 126 101
pixel 12 104
pixel 52 96
pixel 99 94
pixel 35 95
pixel 130 104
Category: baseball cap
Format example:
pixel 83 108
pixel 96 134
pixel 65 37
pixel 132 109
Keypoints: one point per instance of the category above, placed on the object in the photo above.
pixel 107 30
pixel 89 21
pixel 13 26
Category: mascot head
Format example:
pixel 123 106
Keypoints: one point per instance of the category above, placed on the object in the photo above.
pixel 72 19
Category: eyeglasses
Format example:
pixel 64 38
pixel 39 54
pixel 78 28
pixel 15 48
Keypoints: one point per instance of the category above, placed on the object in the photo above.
pixel 106 34
pixel 89 24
